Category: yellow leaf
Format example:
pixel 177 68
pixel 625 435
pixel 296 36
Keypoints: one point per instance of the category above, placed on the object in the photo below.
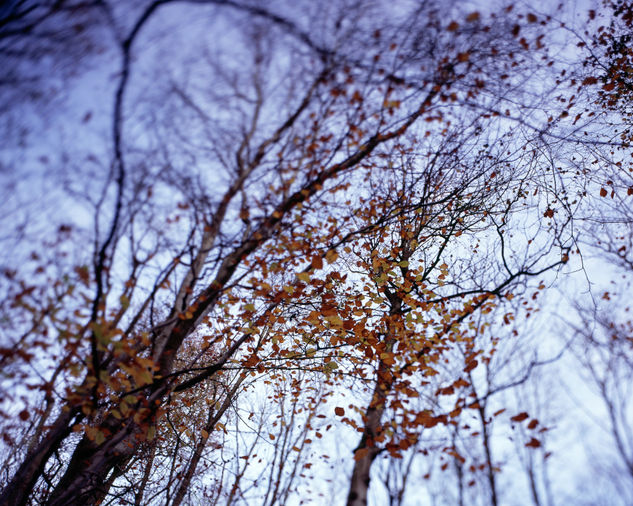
pixel 99 437
pixel 331 256
pixel 304 276
pixel 335 320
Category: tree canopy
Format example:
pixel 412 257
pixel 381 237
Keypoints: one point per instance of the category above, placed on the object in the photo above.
pixel 252 248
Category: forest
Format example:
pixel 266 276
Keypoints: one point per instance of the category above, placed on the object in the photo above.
pixel 360 252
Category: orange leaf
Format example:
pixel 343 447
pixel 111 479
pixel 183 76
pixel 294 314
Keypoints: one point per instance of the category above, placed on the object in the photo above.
pixel 603 192
pixel 339 411
pixel 361 453
pixel 317 262
pixel 472 17
pixel 533 424
pixel 471 365
pixel 461 382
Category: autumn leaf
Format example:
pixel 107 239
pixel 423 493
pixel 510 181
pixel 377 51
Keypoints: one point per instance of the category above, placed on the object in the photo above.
pixel 603 192
pixel 331 256
pixel 520 417
pixel 317 262
pixel 304 276
pixel 453 26
pixel 549 213
pixel 463 57
pixel 99 437
pixel 361 453
pixel 533 443
pixel 339 411
pixel 471 365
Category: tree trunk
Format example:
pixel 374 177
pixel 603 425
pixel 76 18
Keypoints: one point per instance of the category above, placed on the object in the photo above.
pixel 17 492
pixel 359 483
pixel 85 478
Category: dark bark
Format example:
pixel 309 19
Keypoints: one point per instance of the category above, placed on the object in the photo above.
pixel 359 482
pixel 17 492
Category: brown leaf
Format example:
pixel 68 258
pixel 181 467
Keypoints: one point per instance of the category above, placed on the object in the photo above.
pixel 533 443
pixel 317 262
pixel 339 411
pixel 454 25
pixel 471 365
pixel 520 417
pixel 463 57
pixel 361 453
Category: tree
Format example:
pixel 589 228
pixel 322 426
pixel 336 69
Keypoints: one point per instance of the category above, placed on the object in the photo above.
pixel 335 210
